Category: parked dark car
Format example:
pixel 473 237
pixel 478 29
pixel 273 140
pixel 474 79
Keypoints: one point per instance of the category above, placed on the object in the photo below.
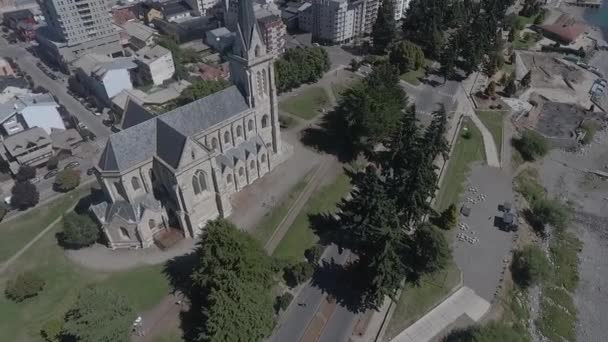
pixel 72 165
pixel 50 174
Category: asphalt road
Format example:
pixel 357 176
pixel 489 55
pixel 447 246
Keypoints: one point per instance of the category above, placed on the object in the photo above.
pixel 27 63
pixel 305 306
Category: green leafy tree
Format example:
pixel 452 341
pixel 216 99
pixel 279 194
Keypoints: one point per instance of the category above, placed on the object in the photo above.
pixel 79 230
pixel 406 56
pixel 300 65
pixel 52 331
pixel 99 315
pixel 66 180
pixel 199 90
pixel 513 34
pixel 25 195
pixel 540 17
pixel 530 266
pixel 354 65
pixel 492 332
pixel 25 173
pixel 532 145
pixel 491 89
pixel 384 29
pixel 283 301
pixel 234 275
pixel 373 108
pixel 447 59
pixel 25 285
pixel 298 273
pixel 510 88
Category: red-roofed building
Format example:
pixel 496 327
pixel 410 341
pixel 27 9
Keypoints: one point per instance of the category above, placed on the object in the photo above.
pixel 122 15
pixel 214 73
pixel 564 30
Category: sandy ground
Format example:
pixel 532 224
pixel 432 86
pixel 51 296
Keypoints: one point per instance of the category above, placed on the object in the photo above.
pixel 562 174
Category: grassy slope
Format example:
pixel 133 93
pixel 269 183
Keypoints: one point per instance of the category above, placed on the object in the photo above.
pixel 300 236
pixel 466 151
pixel 493 120
pixel 306 105
pixel 16 233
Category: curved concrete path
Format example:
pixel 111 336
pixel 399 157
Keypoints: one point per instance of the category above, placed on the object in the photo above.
pixel 465 106
pixel 463 302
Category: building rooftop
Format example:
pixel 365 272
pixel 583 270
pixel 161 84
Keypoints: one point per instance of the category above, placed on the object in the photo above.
pixel 165 135
pixel 19 14
pixel 139 30
pixel 566 28
pixel 21 101
pixel 171 8
pixel 8 81
pixel 100 64
pixel 150 54
pixel 21 142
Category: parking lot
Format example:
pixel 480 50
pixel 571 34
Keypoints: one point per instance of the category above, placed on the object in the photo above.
pixel 480 246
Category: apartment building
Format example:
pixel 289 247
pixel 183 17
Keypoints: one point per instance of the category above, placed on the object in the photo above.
pixel 338 21
pixel 155 64
pixel 75 28
pixel 204 7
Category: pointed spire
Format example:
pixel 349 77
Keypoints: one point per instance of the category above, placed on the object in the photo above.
pixel 246 21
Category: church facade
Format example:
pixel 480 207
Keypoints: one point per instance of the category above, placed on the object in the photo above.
pixel 179 169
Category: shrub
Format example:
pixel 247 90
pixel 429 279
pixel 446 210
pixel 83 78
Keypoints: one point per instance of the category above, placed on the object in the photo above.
pixel 313 254
pixel 447 219
pixel 298 273
pixel 283 301
pixel 24 286
pixel 467 135
pixel 531 145
pixel 67 180
pixel 530 266
pixel 25 195
pixel 551 211
pixel 52 163
pixel 25 173
pixel 79 230
pixel 52 330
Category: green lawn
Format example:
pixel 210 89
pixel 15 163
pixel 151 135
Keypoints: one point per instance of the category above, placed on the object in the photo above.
pixel 271 220
pixel 307 104
pixel 465 152
pixel 416 301
pixel 493 120
pixel 15 234
pixel 300 236
pixel 143 288
pixel 412 76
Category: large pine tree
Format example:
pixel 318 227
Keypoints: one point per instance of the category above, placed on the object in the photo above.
pixel 234 275
pixel 385 29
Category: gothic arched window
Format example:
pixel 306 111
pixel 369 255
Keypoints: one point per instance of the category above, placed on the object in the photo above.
pixel 214 143
pixel 259 83
pixel 263 159
pixel 199 182
pixel 264 85
pixel 124 234
pixel 264 121
pixel 252 164
pixel 241 171
pixel 239 131
pixel 250 125
pixel 226 138
pixel 229 179
pixel 135 183
pixel 258 50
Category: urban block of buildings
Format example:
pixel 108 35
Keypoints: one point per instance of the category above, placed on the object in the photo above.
pixel 76 28
pixel 179 169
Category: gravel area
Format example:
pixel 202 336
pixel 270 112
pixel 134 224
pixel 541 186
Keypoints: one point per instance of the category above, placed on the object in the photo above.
pixel 562 173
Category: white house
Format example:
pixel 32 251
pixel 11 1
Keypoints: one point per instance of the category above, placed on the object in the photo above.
pixel 28 111
pixel 155 64
pixel 104 77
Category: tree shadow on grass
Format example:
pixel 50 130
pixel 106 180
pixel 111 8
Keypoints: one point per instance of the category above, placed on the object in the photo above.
pixel 94 197
pixel 330 136
pixel 178 271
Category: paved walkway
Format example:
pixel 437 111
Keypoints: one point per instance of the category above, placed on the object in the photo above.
pixel 463 302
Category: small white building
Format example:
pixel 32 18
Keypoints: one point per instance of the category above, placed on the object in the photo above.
pixel 155 64
pixel 104 77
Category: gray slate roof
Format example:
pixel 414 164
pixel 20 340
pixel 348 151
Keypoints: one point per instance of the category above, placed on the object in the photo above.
pixel 134 114
pixel 165 135
pixel 130 212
